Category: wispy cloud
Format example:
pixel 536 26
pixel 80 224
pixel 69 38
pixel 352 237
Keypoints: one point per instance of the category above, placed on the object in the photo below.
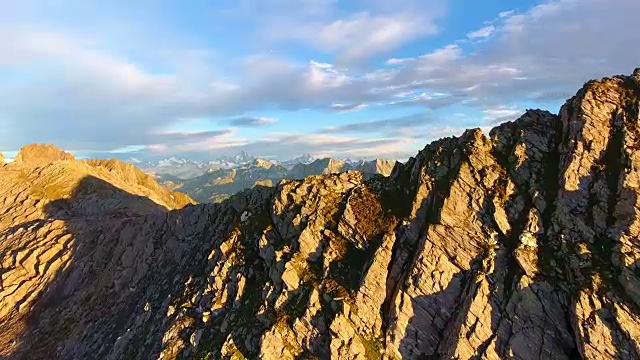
pixel 372 27
pixel 482 33
pixel 188 136
pixel 252 121
pixel 382 126
pixel 343 109
pixel 440 56
pixel 287 145
pixel 362 35
pixel 497 115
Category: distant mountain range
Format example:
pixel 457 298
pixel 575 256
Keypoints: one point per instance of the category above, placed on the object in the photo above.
pixel 217 179
pixel 226 178
pixel 184 169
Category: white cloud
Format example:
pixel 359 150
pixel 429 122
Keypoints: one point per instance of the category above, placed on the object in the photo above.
pixel 128 149
pixel 177 137
pixel 394 61
pixel 372 28
pixel 544 54
pixel 482 33
pixel 88 98
pixel 381 126
pixel 497 115
pixel 431 60
pixel 26 47
pixel 252 121
pixel 363 35
pixel 208 147
pixel 343 109
pixel 322 75
pixel 506 13
pixel 287 145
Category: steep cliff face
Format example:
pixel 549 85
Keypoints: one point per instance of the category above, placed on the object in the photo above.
pixel 522 245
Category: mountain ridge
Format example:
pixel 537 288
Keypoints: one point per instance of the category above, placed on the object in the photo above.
pixel 217 185
pixel 185 169
pixel 522 244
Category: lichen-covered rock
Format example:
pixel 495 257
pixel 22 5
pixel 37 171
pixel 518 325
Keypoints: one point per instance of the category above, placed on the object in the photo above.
pixel 519 245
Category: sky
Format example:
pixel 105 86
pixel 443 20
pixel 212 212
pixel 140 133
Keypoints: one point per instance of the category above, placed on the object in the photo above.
pixel 279 78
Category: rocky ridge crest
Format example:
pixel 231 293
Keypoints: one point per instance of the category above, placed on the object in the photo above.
pixel 41 154
pixel 522 245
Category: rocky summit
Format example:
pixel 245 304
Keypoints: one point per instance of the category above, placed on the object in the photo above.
pixel 518 245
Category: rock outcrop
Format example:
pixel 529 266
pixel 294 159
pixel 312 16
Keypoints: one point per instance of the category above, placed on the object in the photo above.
pixel 378 166
pixel 318 167
pixel 41 154
pixel 523 244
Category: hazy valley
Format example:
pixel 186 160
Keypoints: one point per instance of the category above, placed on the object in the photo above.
pixel 217 184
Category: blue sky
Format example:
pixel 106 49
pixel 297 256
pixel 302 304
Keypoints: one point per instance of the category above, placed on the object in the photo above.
pixel 278 78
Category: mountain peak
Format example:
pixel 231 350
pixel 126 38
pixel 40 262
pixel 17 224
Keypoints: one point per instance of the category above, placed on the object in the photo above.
pixel 266 164
pixel 378 166
pixel 41 155
pixel 305 158
pixel 243 157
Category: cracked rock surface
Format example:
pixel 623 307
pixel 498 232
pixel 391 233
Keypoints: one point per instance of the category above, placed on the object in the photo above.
pixel 522 245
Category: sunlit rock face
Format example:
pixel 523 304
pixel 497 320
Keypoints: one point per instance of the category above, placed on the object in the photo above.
pixel 522 244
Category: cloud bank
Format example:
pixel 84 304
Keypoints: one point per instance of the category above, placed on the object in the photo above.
pixel 60 86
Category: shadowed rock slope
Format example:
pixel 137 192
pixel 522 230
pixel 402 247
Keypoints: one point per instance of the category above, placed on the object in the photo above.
pixel 521 245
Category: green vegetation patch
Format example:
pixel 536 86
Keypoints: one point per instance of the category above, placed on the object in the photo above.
pixel 371 219
pixel 372 347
